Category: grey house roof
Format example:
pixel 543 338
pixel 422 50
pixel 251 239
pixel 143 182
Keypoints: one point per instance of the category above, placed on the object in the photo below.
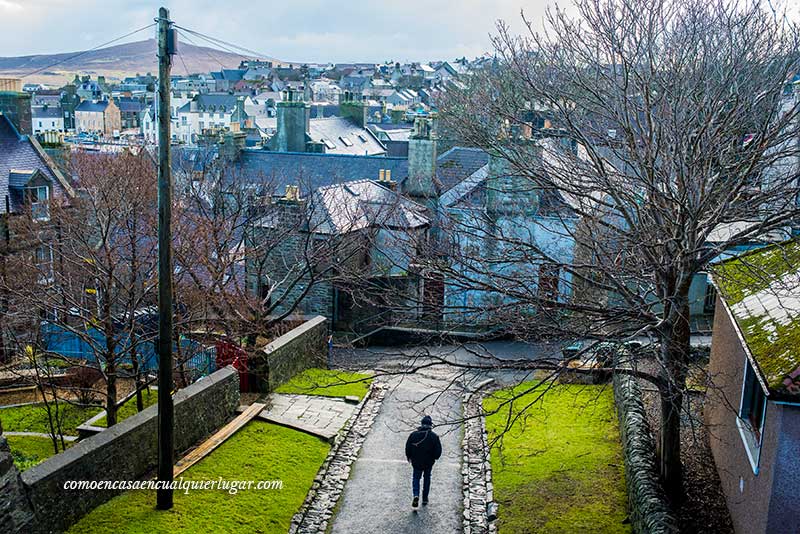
pixel 19 159
pixel 88 105
pixel 130 105
pixel 276 170
pixel 458 164
pixel 353 206
pixel 216 101
pixel 48 112
pixel 341 136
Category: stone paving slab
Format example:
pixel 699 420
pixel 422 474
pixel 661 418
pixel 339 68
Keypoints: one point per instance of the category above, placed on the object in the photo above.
pixel 320 416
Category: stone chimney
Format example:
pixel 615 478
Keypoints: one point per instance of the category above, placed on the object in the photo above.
pixel 353 107
pixel 16 106
pixel 294 116
pixel 508 193
pixel 232 144
pixel 422 159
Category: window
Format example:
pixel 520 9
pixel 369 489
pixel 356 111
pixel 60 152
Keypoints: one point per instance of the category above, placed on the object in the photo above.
pixel 346 141
pixel 752 411
pixel 710 298
pixel 43 259
pixel 40 202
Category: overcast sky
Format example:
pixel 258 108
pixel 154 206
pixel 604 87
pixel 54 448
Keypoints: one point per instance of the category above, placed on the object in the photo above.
pixel 310 30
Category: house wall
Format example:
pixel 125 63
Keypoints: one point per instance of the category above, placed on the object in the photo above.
pixel 477 238
pixel 46 124
pixel 747 494
pixel 112 119
pixel 784 507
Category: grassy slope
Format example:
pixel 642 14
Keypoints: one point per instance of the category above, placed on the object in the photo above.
pixel 328 383
pixel 260 451
pixel 560 468
pixel 28 451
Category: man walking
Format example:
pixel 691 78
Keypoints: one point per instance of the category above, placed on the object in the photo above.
pixel 423 448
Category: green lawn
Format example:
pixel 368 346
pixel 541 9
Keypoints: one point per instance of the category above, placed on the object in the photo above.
pixel 33 418
pixel 149 397
pixel 259 451
pixel 327 383
pixel 28 451
pixel 559 468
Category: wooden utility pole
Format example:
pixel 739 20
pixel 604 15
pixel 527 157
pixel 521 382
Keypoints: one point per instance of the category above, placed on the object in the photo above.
pixel 166 448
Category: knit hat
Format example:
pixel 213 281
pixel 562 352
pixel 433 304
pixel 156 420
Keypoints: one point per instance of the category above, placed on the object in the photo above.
pixel 427 421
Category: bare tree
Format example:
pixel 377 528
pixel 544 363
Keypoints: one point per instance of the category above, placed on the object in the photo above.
pixel 90 275
pixel 649 137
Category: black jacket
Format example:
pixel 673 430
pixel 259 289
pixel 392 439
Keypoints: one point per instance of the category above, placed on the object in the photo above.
pixel 423 447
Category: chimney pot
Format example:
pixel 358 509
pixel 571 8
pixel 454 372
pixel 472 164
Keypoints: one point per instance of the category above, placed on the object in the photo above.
pixel 381 175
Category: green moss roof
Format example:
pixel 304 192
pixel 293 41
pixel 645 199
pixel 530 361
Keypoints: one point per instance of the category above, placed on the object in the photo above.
pixel 762 290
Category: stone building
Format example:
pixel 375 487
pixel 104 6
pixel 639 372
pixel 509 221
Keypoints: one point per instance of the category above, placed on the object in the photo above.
pixel 99 117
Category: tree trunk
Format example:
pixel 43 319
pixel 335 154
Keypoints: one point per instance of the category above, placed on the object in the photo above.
pixel 674 355
pixel 111 393
pixel 137 375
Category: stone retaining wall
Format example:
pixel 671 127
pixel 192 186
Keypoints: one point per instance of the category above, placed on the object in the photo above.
pixel 480 509
pixel 648 507
pixel 299 349
pixel 126 451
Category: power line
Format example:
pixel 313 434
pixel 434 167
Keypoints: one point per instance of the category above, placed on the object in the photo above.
pixel 181 58
pixel 201 48
pixel 219 42
pixel 79 54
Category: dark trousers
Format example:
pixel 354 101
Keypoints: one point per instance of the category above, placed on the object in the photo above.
pixel 426 483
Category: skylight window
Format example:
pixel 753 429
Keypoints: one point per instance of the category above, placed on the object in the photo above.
pixel 329 144
pixel 362 138
pixel 346 141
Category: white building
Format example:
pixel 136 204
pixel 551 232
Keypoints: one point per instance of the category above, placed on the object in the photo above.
pixel 47 118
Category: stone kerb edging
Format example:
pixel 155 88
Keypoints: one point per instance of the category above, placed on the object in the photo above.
pixel 647 504
pixel 480 510
pixel 318 507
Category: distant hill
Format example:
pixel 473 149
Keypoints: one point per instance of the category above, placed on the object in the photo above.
pixel 117 62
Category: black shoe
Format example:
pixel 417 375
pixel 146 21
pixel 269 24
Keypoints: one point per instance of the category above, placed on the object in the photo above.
pixel 415 502
pixel 425 502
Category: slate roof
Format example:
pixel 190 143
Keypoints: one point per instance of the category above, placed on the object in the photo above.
pixel 310 171
pixel 130 105
pixel 352 206
pixel 207 101
pixel 342 136
pixel 49 112
pixel 233 75
pixel 761 290
pixel 88 105
pixel 17 157
pixel 458 164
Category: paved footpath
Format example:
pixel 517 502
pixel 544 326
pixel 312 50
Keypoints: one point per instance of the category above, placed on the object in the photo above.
pixel 377 498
